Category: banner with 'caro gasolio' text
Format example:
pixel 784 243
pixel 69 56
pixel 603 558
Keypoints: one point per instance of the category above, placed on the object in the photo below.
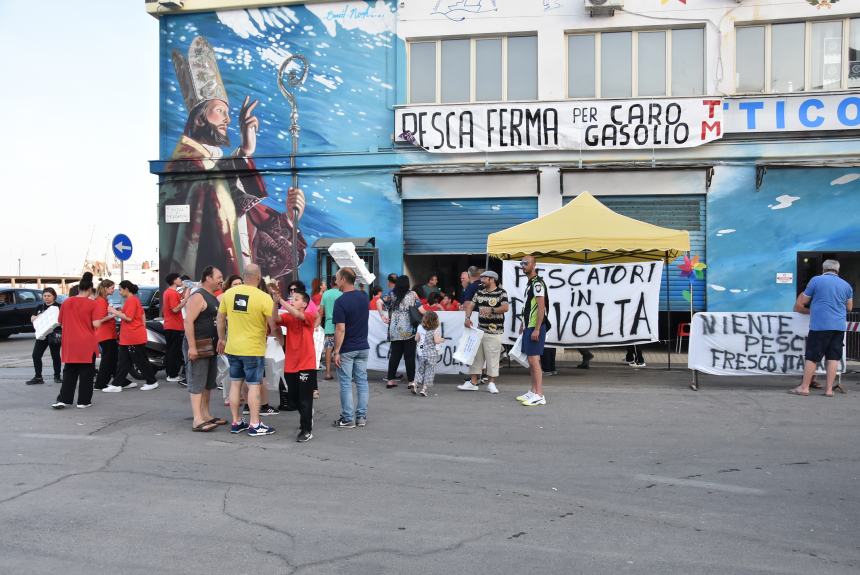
pixel 590 305
pixel 566 125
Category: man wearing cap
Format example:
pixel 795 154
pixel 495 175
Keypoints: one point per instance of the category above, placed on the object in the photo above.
pixel 831 298
pixel 491 302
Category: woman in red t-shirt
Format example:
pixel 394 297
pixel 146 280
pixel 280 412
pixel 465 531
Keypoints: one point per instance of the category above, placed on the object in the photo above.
pixel 105 334
pixel 79 347
pixel 132 340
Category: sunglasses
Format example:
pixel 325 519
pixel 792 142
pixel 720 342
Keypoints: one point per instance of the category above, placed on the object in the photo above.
pixel 523 264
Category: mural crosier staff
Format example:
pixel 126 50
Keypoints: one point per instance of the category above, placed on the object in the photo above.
pixel 229 226
pixel 132 338
pixel 79 347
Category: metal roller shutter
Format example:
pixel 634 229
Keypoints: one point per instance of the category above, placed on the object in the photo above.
pixel 680 212
pixel 460 226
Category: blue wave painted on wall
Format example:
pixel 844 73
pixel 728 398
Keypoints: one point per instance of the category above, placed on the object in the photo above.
pixel 753 235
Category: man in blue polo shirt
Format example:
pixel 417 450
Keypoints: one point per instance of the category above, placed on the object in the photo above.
pixel 831 298
pixel 351 312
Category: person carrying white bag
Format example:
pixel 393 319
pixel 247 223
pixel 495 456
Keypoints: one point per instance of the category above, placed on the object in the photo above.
pixel 48 335
pixel 491 301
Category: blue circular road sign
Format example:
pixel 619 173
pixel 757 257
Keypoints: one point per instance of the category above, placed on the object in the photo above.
pixel 121 246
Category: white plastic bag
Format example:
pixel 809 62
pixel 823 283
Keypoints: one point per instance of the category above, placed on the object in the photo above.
pixel 467 347
pixel 319 343
pixel 224 375
pixel 517 354
pixel 46 321
pixel 274 362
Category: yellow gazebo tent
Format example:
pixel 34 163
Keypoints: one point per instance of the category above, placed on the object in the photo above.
pixel 587 231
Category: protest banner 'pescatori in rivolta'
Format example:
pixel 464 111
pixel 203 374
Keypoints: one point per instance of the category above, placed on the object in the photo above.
pixel 510 126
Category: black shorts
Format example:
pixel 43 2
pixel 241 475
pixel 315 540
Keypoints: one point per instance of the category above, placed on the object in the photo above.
pixel 824 343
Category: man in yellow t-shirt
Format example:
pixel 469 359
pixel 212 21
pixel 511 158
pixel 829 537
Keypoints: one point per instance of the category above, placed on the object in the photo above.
pixel 249 313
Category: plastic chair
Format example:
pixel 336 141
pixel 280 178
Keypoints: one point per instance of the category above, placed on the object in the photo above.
pixel 683 331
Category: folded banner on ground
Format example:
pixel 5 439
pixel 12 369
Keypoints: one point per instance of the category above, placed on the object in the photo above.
pixel 755 343
pixel 451 323
pixel 590 305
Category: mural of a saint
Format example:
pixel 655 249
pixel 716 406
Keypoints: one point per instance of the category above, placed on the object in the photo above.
pixel 229 226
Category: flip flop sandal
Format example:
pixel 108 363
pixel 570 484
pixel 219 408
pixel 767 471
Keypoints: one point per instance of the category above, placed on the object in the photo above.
pixel 390 385
pixel 795 392
pixel 838 387
pixel 217 421
pixel 204 427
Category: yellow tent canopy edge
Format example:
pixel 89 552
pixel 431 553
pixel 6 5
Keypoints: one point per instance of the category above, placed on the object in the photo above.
pixel 587 231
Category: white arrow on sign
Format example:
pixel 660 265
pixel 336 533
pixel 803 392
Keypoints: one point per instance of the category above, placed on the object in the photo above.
pixel 121 247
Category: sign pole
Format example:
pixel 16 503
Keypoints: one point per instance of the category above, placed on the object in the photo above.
pixel 668 319
pixel 121 270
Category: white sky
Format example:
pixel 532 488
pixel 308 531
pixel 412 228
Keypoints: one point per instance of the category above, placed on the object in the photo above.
pixel 79 111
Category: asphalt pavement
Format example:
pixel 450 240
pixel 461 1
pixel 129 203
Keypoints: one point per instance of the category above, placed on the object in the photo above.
pixel 625 471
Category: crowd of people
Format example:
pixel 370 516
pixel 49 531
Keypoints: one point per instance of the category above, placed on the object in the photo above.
pixel 230 323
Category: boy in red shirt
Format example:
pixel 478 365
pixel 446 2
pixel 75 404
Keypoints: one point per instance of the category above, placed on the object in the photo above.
pixel 300 363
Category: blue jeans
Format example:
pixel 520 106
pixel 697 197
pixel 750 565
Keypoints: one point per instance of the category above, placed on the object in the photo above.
pixel 353 367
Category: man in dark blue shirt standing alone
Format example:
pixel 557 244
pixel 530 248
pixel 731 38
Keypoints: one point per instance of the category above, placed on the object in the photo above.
pixel 831 298
pixel 351 312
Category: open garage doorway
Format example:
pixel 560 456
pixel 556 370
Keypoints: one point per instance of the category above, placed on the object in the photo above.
pixel 447 267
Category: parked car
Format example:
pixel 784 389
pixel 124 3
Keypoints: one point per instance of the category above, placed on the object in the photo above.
pixel 150 299
pixel 16 307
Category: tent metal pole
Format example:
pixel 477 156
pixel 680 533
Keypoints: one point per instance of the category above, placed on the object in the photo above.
pixel 668 318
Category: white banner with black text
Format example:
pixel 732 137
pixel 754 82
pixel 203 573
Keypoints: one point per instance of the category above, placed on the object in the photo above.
pixel 750 343
pixel 590 305
pixel 565 125
pixel 451 323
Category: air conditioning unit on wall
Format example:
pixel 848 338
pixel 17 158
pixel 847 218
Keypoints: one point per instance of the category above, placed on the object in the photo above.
pixel 603 7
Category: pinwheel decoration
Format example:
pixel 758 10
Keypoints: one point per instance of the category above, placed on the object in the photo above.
pixel 689 268
pixel 692 267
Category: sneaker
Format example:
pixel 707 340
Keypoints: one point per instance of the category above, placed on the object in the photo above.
pixel 59 405
pixel 423 391
pixel 550 373
pixel 112 389
pixel 129 385
pixel 239 427
pixel 525 396
pixel 304 437
pixel 183 382
pixel 260 430
pixel 583 365
pixel 491 387
pixel 641 364
pixel 467 386
pixel 342 424
pixel 269 410
pixel 361 421
pixel 58 379
pixel 35 381
pixel 149 386
pixel 535 400
pixel 175 379
pixel 84 405
pixel 484 379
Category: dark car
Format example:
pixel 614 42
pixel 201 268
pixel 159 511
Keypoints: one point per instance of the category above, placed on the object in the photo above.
pixel 150 299
pixel 17 305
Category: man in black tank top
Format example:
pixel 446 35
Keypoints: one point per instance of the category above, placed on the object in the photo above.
pixel 201 335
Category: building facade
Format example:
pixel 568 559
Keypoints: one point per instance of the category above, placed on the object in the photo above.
pixel 427 124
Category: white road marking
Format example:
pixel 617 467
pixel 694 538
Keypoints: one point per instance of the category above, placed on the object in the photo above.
pixel 443 457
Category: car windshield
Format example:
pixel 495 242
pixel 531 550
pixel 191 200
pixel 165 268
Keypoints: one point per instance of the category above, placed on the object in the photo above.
pixel 115 300
pixel 145 295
